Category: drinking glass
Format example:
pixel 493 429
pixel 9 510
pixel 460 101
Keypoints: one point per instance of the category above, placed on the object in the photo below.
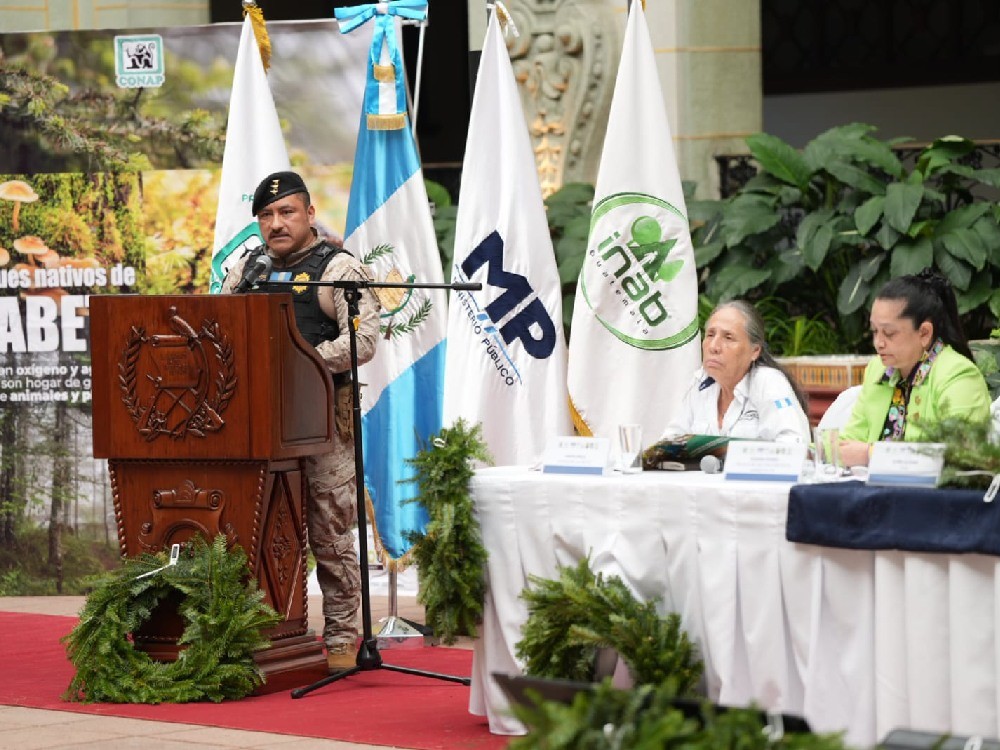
pixel 826 454
pixel 630 445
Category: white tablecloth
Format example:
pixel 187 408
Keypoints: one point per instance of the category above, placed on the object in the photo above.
pixel 852 640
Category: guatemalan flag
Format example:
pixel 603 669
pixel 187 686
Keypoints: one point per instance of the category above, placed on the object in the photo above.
pixel 389 228
pixel 255 148
pixel 506 364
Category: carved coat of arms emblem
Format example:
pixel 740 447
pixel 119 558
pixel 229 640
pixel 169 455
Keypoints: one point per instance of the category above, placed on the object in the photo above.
pixel 178 383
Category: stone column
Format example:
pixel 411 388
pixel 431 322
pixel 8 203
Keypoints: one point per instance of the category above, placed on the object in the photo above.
pixel 709 59
pixel 709 62
pixel 565 61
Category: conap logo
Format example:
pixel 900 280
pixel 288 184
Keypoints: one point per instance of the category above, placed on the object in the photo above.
pixel 638 277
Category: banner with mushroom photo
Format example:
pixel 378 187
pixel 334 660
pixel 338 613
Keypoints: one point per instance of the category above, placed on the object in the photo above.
pixel 107 188
pixel 62 238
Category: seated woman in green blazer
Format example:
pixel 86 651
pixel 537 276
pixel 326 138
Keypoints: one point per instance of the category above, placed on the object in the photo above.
pixel 924 370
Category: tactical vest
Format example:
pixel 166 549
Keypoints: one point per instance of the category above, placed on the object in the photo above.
pixel 314 325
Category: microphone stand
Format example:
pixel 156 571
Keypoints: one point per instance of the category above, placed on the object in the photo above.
pixel 368 658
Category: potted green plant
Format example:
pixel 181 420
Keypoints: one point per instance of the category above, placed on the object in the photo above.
pixel 824 227
pixel 987 354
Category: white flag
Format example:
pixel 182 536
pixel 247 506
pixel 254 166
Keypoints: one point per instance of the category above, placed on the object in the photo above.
pixel 634 339
pixel 506 361
pixel 254 149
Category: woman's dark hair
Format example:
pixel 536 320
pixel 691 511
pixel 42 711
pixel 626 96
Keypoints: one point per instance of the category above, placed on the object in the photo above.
pixel 757 333
pixel 928 296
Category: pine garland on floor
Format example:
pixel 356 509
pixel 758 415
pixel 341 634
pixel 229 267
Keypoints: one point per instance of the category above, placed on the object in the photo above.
pixel 223 611
pixel 450 557
pixel 571 617
pixel 646 719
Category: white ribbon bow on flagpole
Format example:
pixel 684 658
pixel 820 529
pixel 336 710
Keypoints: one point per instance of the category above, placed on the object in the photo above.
pixel 385 90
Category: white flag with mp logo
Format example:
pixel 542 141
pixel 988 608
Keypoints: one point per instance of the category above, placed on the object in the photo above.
pixel 506 362
pixel 255 148
pixel 634 339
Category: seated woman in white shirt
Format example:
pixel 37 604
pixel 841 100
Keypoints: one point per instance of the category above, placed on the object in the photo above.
pixel 740 390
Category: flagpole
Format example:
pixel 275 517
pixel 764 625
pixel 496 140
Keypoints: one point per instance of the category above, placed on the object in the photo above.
pixel 420 72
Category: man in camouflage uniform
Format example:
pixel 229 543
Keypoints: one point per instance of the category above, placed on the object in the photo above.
pixel 286 216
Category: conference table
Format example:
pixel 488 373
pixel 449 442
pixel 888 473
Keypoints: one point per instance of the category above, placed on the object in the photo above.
pixel 855 640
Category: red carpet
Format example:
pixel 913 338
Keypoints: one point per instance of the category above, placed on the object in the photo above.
pixel 376 708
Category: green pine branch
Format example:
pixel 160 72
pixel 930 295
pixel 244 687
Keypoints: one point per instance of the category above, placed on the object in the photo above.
pixel 108 132
pixel 570 618
pixel 449 554
pixel 969 447
pixel 646 718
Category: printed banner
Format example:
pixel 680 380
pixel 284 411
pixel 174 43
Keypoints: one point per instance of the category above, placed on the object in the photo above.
pixel 70 230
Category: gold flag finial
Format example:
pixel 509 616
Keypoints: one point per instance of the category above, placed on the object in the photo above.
pixel 505 18
pixel 259 31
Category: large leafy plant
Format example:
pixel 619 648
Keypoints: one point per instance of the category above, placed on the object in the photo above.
pixel 824 227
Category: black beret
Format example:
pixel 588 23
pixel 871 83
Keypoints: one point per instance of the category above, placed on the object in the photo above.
pixel 274 187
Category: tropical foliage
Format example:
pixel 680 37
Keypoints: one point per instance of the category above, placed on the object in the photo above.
pixel 568 212
pixel 823 228
pixel 815 234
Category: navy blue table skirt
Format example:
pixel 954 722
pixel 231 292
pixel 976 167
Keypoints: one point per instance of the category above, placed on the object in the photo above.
pixel 855 516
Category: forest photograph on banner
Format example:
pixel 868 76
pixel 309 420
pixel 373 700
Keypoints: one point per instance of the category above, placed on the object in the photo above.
pixel 111 188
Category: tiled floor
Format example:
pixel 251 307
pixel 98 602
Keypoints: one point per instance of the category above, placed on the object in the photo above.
pixel 34 729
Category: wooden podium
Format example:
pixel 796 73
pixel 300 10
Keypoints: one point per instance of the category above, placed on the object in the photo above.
pixel 203 406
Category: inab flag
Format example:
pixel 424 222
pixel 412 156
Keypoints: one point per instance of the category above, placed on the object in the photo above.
pixel 634 339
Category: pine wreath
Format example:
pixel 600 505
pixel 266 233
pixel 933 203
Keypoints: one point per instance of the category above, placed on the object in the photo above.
pixel 224 615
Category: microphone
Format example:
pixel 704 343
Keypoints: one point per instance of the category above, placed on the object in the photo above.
pixel 710 464
pixel 253 272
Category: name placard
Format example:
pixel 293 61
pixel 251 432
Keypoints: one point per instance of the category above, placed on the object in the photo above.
pixel 758 460
pixel 906 464
pixel 577 455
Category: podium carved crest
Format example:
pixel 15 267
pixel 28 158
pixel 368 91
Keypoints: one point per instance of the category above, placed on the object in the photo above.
pixel 177 383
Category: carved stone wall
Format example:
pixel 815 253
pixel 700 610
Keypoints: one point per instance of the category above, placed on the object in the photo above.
pixel 565 61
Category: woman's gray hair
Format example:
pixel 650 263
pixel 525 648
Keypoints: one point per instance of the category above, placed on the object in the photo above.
pixel 753 324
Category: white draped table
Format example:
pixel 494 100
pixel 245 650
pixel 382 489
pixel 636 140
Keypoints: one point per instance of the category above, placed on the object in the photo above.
pixel 853 640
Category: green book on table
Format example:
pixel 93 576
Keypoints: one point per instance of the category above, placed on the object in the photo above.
pixel 684 452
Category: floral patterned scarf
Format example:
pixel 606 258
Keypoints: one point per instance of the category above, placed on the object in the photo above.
pixel 895 418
